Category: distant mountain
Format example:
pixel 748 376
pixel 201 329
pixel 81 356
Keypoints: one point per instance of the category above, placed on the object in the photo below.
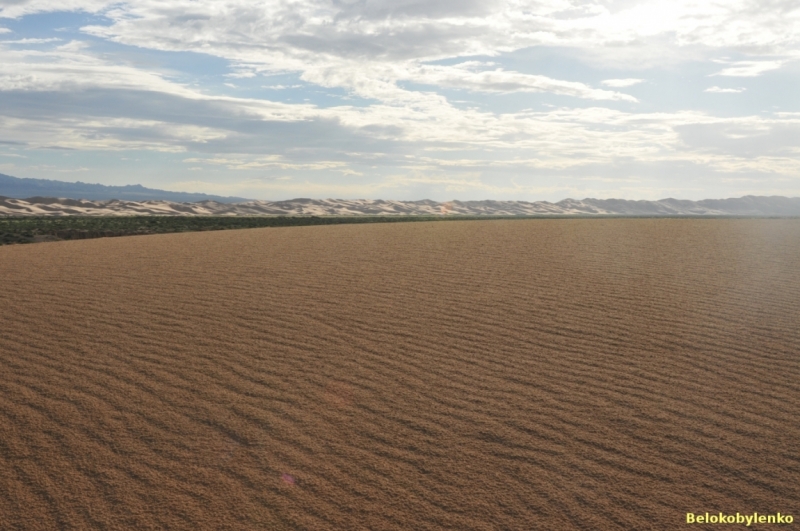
pixel 743 206
pixel 23 188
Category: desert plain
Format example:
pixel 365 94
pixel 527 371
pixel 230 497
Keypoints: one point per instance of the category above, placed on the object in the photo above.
pixel 553 374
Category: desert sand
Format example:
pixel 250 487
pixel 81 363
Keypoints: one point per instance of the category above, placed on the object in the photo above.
pixel 741 206
pixel 516 374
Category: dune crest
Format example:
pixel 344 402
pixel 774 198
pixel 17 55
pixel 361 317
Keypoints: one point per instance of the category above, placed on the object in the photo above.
pixel 744 206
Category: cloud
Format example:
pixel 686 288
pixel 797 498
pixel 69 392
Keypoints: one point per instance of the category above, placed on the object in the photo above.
pixel 281 87
pixel 369 48
pixel 749 68
pixel 30 41
pixel 272 161
pixel 502 81
pixel 70 67
pixel 725 90
pixel 416 29
pixel 74 99
pixel 743 140
pixel 19 8
pixel 394 59
pixel 620 83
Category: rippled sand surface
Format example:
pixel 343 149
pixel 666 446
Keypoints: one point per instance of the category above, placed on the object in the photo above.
pixel 521 374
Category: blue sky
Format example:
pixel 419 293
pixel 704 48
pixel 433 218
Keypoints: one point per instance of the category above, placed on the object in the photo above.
pixel 405 99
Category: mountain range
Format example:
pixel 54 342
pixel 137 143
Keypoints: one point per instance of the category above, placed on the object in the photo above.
pixel 21 188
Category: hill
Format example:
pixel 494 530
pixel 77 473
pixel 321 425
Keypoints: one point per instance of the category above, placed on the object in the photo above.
pixel 742 206
pixel 22 188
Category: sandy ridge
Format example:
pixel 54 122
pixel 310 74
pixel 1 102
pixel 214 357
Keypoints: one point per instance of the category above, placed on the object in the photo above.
pixel 744 206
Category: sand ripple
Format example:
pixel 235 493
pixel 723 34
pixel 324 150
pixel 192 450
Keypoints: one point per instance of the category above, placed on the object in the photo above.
pixel 538 374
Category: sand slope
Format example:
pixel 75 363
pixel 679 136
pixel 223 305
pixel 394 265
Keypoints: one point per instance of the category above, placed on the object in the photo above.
pixel 533 374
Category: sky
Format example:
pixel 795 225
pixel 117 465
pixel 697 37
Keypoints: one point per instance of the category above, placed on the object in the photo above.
pixel 406 99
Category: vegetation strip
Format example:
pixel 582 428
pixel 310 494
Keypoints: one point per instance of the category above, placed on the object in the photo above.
pixel 41 229
pixel 37 229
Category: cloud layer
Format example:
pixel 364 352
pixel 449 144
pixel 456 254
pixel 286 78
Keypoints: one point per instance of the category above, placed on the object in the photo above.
pixel 511 99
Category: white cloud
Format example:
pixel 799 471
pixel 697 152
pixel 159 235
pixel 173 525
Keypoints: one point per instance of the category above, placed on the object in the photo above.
pixel 143 109
pixel 4 30
pixel 376 50
pixel 271 161
pixel 68 67
pixel 720 90
pixel 30 41
pixel 19 8
pixel 281 87
pixel 749 68
pixel 501 81
pixel 305 35
pixel 620 83
pixel 441 28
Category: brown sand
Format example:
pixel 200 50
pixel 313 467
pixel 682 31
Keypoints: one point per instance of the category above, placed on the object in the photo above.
pixel 537 374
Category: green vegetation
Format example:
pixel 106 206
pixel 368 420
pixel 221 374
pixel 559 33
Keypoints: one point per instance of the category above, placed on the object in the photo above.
pixel 38 229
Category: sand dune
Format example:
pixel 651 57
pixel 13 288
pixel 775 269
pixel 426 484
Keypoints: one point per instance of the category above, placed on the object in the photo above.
pixel 743 206
pixel 520 374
